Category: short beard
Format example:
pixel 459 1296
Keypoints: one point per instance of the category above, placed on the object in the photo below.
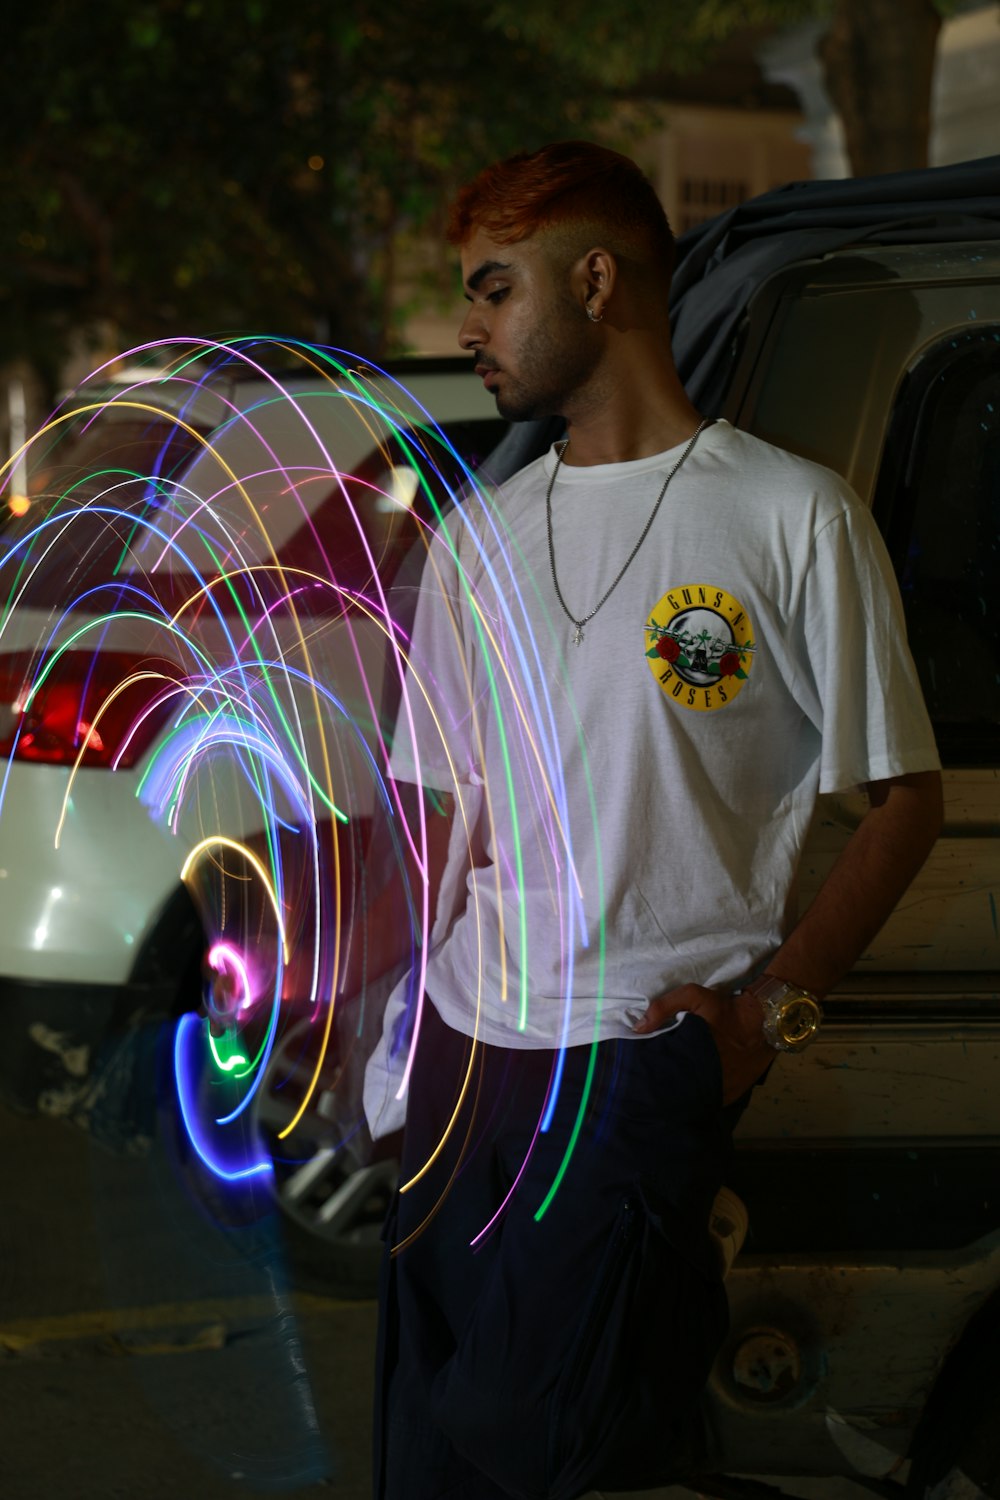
pixel 560 362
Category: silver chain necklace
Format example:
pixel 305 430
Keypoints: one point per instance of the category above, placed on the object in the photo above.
pixel 579 624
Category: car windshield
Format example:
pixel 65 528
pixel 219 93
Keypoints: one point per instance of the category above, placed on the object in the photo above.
pixel 125 455
pixel 371 517
pixel 162 498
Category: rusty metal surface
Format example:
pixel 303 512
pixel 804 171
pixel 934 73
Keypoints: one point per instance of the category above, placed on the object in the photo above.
pixel 863 1339
pixel 874 1082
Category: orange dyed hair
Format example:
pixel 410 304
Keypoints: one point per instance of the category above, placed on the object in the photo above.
pixel 562 185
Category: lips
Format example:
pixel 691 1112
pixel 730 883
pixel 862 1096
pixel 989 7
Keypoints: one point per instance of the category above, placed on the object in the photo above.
pixel 485 372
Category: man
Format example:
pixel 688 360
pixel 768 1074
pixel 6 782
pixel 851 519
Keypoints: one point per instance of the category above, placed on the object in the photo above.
pixel 631 670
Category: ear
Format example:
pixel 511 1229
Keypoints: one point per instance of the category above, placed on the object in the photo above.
pixel 593 280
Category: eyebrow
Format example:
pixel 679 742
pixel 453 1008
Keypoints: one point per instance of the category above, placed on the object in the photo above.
pixel 486 269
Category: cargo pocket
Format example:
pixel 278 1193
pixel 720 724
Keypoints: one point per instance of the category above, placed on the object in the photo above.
pixel 625 1408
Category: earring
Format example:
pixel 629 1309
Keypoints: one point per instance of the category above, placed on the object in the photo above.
pixel 594 317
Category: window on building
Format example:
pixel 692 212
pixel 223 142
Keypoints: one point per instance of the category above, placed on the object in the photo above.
pixel 702 198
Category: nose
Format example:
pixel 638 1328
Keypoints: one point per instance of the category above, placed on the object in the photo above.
pixel 472 333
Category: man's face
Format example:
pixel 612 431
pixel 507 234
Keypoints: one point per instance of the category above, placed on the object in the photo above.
pixel 533 344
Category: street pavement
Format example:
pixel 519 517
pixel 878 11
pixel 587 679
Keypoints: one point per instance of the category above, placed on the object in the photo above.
pixel 142 1357
pixel 151 1348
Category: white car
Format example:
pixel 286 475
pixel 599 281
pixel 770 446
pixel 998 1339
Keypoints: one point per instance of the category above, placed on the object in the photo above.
pixel 194 635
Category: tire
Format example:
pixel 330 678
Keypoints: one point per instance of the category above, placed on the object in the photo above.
pixel 333 1187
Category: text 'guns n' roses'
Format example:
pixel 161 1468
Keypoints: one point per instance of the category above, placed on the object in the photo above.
pixel 699 645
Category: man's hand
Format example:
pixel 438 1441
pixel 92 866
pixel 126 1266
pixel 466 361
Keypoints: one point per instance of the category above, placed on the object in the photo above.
pixel 736 1023
pixel 218 998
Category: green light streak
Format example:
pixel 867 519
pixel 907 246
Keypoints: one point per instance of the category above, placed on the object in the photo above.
pixel 98 623
pixel 601 931
pixel 227 577
pixel 574 1136
pixel 160 486
pixel 522 1017
pixel 225 1065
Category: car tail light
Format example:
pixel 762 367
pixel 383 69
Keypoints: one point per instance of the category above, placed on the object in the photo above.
pixel 114 701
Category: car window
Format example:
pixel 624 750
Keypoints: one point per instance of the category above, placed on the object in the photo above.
pixel 400 485
pixel 131 463
pixel 828 361
pixel 95 457
pixel 938 501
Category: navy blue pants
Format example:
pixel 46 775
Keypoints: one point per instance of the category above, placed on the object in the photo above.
pixel 570 1351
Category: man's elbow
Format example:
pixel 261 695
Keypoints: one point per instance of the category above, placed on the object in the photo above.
pixel 918 799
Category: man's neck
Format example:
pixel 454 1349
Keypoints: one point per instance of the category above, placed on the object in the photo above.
pixel 584 449
pixel 634 420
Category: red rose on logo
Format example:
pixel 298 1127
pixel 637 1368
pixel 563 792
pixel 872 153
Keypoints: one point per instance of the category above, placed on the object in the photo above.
pixel 729 664
pixel 669 649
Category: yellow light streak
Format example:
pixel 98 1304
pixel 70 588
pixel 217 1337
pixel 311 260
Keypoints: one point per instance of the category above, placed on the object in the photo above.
pixel 220 841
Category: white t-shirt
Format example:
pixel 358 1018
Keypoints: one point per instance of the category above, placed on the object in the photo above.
pixel 636 804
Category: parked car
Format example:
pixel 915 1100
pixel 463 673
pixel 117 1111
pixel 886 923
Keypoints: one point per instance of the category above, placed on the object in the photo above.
pixel 869 1292
pixel 191 648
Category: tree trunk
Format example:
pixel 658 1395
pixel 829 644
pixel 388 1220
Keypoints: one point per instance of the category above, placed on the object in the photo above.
pixel 878 63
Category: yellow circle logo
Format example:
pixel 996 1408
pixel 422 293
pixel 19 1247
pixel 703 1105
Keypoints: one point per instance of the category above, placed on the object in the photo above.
pixel 699 645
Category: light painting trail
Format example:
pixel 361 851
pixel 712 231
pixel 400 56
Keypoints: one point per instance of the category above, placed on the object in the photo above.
pixel 197 600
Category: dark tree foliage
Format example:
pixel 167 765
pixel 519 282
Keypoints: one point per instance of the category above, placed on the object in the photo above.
pixel 877 56
pixel 177 166
pixel 191 165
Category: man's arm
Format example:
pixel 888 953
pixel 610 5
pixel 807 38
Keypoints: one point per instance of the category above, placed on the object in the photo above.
pixel 875 867
pixel 382 932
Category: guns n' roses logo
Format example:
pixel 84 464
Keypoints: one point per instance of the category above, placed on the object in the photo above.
pixel 699 645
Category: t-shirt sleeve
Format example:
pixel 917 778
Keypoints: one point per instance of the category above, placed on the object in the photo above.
pixel 433 740
pixel 872 717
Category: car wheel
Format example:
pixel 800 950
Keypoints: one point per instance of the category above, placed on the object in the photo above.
pixel 332 1186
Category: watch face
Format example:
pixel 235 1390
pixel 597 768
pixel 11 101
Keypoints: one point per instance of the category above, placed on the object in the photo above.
pixel 798 1021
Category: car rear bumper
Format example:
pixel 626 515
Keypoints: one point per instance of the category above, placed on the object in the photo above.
pixel 57 1037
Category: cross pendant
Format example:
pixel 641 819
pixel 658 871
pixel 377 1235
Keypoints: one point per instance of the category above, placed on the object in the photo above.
pixel 578 637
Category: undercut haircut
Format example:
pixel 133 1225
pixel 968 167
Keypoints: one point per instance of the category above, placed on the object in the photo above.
pixel 574 186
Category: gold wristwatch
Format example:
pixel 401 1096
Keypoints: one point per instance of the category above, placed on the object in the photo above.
pixel 792 1015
